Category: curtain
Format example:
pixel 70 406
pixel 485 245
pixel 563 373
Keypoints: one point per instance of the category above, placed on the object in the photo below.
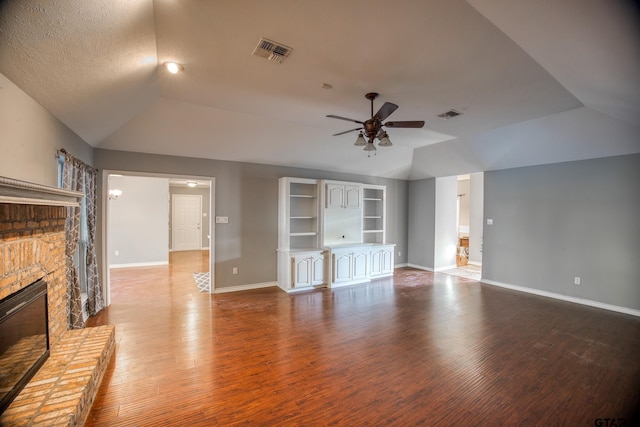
pixel 78 176
pixel 95 299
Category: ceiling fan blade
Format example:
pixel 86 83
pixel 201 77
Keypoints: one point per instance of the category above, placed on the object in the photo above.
pixel 344 118
pixel 346 131
pixel 386 110
pixel 405 124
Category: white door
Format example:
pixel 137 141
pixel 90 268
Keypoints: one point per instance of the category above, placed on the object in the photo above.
pixel 186 216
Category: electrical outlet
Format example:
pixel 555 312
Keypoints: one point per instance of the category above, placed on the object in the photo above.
pixel 576 280
pixel 235 270
pixel 116 253
pixel 489 221
pixel 399 253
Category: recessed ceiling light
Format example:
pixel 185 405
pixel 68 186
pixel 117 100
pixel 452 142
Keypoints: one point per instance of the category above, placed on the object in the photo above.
pixel 173 67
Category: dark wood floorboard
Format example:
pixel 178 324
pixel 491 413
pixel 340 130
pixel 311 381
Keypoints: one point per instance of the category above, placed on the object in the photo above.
pixel 419 349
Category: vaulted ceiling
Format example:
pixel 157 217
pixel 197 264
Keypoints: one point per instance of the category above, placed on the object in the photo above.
pixel 537 81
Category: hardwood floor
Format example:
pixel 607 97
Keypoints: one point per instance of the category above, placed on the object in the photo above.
pixel 418 349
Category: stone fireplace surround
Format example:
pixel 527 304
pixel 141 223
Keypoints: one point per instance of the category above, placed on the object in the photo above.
pixel 32 246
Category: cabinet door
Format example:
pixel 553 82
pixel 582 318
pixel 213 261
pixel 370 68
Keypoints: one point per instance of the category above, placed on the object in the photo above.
pixel 301 271
pixel 360 265
pixel 334 195
pixel 342 268
pixel 352 196
pixel 387 260
pixel 376 263
pixel 317 270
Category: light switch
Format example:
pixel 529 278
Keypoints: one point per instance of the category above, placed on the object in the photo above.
pixel 489 221
pixel 222 220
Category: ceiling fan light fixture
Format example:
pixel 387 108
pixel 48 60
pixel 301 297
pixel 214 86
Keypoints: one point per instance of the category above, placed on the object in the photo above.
pixel 384 140
pixel 370 147
pixel 360 141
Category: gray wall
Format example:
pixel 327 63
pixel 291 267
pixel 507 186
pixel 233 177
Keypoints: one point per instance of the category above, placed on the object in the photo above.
pixel 138 221
pixel 555 222
pixel 204 223
pixel 421 221
pixel 248 194
pixel 30 136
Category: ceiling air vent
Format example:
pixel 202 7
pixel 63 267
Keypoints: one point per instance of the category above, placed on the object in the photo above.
pixel 449 114
pixel 273 51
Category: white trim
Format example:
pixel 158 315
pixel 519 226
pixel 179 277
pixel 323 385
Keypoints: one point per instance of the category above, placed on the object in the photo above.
pixel 349 283
pixel 446 267
pixel 28 193
pixel 420 267
pixel 567 298
pixel 244 287
pixel 479 264
pixel 401 265
pixel 139 264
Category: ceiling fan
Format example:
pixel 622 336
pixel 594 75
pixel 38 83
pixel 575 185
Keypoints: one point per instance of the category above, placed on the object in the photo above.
pixel 372 128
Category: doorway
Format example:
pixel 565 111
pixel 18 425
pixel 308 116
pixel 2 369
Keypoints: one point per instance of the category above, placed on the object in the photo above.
pixel 135 203
pixel 469 212
pixel 459 225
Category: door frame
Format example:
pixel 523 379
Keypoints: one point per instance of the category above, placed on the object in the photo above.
pixel 103 221
pixel 173 219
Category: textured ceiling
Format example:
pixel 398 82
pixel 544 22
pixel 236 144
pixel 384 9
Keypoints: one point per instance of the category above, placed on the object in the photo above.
pixel 538 82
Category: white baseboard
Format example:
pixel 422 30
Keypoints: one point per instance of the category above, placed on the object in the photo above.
pixel 247 287
pixel 139 264
pixel 353 282
pixel 479 264
pixel 420 267
pixel 401 265
pixel 446 267
pixel 567 298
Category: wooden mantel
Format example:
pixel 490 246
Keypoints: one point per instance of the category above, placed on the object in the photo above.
pixel 27 193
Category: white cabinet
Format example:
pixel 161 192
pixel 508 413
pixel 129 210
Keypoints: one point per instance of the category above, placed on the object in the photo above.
pixel 349 265
pixel 341 195
pixel 341 213
pixel 307 269
pixel 300 270
pixel 382 260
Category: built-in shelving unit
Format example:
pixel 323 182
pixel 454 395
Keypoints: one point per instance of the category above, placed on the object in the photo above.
pixel 331 233
pixel 300 209
pixel 373 214
pixel 300 259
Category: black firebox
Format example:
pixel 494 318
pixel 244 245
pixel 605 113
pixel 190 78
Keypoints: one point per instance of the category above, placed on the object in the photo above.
pixel 24 339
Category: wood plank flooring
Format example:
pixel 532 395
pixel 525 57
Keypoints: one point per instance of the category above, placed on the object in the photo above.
pixel 419 349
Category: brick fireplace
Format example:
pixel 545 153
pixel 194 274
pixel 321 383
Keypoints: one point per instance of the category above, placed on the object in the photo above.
pixel 32 247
